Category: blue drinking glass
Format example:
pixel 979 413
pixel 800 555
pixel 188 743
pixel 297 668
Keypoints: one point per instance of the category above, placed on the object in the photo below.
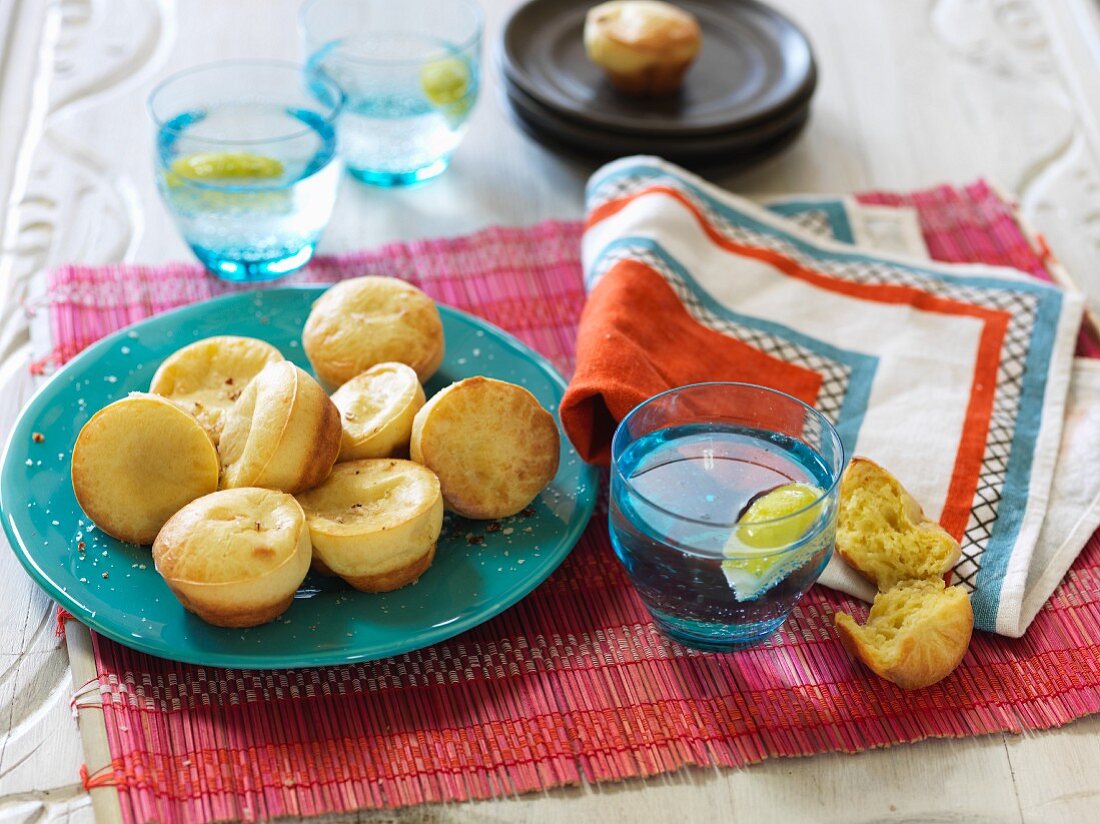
pixel 246 162
pixel 717 566
pixel 410 70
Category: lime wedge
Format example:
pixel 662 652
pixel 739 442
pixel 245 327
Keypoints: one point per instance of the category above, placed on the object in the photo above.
pixel 227 165
pixel 758 529
pixel 781 503
pixel 445 82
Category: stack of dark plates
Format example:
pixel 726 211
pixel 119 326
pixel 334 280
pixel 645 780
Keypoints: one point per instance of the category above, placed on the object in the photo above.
pixel 746 97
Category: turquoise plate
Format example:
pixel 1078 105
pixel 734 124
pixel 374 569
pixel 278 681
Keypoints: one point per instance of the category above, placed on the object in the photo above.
pixel 114 588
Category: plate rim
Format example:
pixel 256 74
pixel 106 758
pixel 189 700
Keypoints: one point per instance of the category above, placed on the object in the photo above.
pixel 701 145
pixel 267 660
pixel 785 117
pixel 510 67
pixel 711 162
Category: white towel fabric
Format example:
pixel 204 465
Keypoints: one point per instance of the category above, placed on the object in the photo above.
pixel 1073 513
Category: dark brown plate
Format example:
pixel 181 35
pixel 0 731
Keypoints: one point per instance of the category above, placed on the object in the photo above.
pixel 602 143
pixel 754 64
pixel 565 137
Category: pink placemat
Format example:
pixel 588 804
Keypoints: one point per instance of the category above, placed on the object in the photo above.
pixel 574 682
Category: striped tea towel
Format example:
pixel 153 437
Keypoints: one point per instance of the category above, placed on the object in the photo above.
pixel 954 377
pixel 1073 513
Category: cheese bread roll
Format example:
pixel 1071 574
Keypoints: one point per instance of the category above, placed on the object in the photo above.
pixel 236 557
pixel 139 460
pixel 644 46
pixel 206 377
pixel 375 523
pixel 282 433
pixel 492 445
pixel 377 410
pixel 365 321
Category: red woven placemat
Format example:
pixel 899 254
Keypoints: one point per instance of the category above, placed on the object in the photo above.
pixel 573 682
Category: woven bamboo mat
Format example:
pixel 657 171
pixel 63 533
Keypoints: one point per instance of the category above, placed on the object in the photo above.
pixel 574 682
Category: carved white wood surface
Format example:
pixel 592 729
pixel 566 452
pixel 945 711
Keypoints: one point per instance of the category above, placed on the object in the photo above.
pixel 912 92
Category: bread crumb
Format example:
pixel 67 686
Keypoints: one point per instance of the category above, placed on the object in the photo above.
pixel 37 437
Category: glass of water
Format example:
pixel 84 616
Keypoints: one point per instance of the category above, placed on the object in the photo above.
pixel 246 162
pixel 410 71
pixel 723 508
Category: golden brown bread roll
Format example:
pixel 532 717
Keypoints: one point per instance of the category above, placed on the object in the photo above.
pixel 882 531
pixel 492 445
pixel 365 321
pixel 235 557
pixel 206 377
pixel 916 634
pixel 282 433
pixel 644 46
pixel 139 460
pixel 375 522
pixel 377 410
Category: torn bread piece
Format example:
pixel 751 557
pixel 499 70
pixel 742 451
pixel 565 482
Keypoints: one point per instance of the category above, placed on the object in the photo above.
pixel 883 533
pixel 916 634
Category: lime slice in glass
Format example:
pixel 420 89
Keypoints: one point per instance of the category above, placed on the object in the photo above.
pixel 227 165
pixel 783 502
pixel 445 82
pixel 773 521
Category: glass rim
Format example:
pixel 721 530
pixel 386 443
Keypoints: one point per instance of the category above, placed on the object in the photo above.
pixel 352 57
pixel 826 493
pixel 329 117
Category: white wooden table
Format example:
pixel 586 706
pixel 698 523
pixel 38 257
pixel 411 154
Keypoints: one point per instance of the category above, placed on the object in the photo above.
pixel 912 92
